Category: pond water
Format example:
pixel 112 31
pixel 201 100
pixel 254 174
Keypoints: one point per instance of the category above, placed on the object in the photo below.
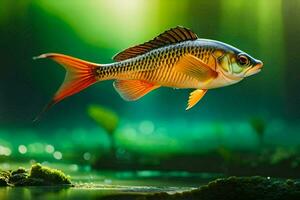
pixel 97 184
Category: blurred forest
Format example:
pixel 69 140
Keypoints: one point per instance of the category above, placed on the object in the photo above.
pixel 253 123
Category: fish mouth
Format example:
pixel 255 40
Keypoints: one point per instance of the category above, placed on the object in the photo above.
pixel 254 70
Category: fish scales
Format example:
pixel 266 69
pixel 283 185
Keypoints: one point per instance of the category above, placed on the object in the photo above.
pixel 157 65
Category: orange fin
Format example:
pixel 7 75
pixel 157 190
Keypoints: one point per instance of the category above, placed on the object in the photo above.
pixel 79 75
pixel 131 90
pixel 171 36
pixel 196 68
pixel 195 97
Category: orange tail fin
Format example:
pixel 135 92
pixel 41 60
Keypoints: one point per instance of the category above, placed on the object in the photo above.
pixel 79 75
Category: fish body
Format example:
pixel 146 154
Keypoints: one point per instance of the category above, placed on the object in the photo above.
pixel 176 58
pixel 158 66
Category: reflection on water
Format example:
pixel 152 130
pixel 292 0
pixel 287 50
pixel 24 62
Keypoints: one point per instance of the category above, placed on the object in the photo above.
pixel 32 192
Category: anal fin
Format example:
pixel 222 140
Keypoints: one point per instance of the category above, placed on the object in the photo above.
pixel 195 97
pixel 131 90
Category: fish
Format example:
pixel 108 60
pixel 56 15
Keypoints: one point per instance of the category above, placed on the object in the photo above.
pixel 176 58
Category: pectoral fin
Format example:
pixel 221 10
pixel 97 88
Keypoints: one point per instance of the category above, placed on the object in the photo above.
pixel 195 67
pixel 131 90
pixel 195 97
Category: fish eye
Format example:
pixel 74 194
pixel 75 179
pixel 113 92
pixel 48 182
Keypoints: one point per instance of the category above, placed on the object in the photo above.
pixel 243 60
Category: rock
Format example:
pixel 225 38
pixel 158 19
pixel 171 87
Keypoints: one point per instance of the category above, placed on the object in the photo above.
pixel 15 178
pixel 19 171
pixel 3 182
pixel 32 182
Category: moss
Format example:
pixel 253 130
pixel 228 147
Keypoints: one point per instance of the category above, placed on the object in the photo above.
pixel 230 188
pixel 246 188
pixel 4 176
pixel 38 175
pixel 50 176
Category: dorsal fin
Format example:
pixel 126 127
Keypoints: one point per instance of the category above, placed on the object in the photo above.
pixel 174 35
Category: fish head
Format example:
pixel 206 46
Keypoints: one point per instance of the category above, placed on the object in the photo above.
pixel 243 65
pixel 236 64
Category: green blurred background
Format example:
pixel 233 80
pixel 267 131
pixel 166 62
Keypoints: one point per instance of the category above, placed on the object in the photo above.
pixel 97 124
